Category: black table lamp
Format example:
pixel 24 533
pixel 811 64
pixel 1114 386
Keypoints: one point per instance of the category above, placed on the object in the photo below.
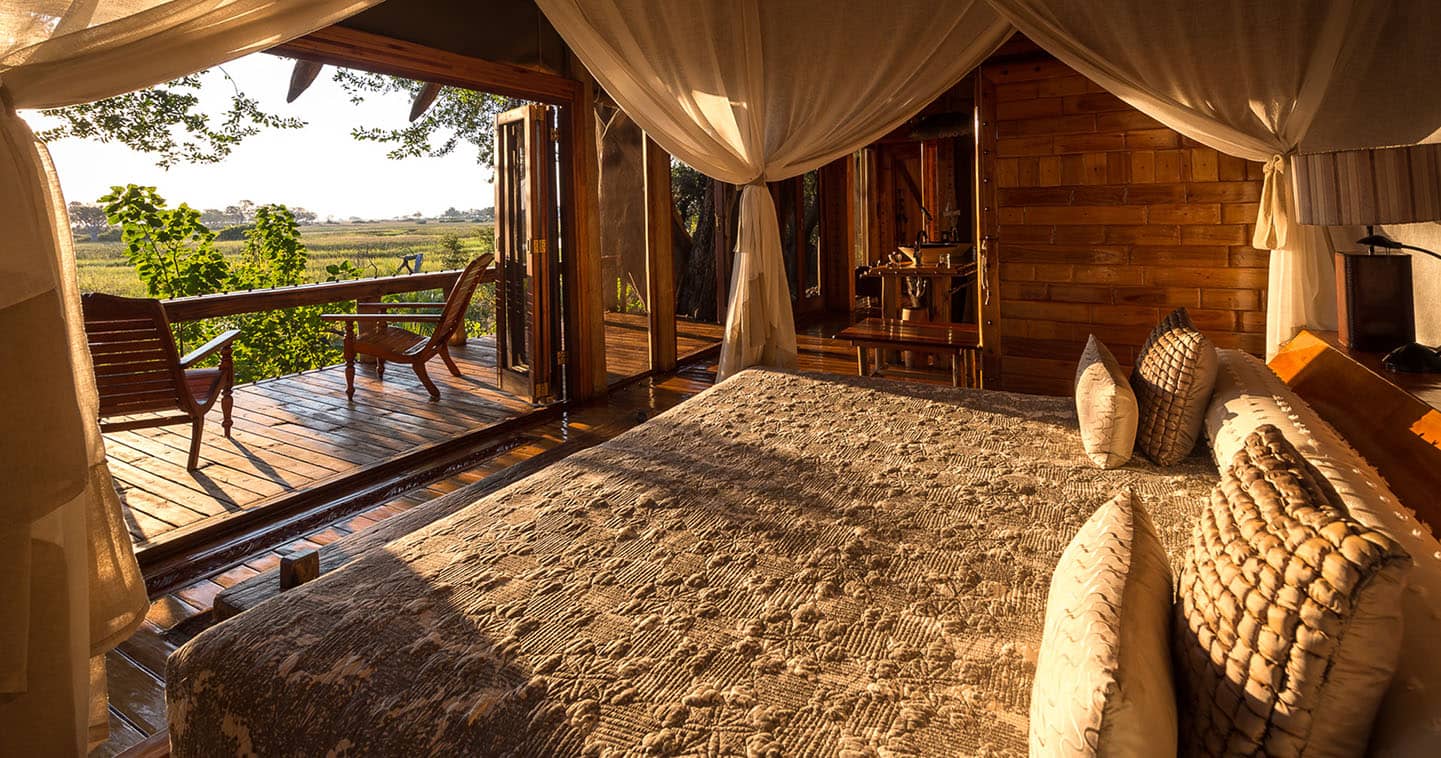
pixel 1374 296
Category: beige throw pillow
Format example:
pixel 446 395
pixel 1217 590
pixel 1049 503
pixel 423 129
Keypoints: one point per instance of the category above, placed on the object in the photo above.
pixel 1103 675
pixel 1289 614
pixel 1105 406
pixel 1173 377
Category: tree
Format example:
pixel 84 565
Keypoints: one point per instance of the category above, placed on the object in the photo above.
pixel 172 251
pixel 88 219
pixel 214 217
pixel 452 251
pixel 457 116
pixel 303 216
pixel 166 120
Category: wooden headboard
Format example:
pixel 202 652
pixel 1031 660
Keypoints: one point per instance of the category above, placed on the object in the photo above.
pixel 1393 420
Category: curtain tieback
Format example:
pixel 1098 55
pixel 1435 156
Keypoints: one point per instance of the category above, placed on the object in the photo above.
pixel 1277 164
pixel 1273 224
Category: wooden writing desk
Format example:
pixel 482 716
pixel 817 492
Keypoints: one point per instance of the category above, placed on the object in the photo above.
pixel 962 342
pixel 942 281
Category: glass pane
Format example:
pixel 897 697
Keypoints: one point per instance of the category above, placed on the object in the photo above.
pixel 786 210
pixel 514 258
pixel 706 212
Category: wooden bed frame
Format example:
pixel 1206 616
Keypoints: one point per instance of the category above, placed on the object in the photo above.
pixel 1393 420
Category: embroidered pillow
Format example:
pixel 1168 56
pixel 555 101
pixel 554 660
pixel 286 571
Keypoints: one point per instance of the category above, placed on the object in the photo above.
pixel 1105 407
pixel 1289 614
pixel 1103 675
pixel 1173 378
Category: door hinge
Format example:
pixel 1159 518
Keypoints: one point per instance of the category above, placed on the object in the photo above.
pixel 538 246
pixel 561 356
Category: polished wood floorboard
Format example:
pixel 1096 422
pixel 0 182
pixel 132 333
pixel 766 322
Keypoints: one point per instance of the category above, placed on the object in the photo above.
pixel 136 668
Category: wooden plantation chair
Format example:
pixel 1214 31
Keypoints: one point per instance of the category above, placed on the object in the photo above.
pixel 391 343
pixel 139 371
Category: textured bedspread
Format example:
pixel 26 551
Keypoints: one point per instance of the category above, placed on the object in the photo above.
pixel 784 565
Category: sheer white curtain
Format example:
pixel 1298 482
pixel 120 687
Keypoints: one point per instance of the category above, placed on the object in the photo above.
pixel 70 589
pixel 1259 80
pixel 748 91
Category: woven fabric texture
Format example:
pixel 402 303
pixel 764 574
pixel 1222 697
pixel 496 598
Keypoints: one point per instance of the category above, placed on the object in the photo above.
pixel 1249 395
pixel 1173 378
pixel 785 565
pixel 1105 407
pixel 1289 619
pixel 1103 677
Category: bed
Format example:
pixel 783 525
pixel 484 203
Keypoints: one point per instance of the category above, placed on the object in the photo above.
pixel 786 564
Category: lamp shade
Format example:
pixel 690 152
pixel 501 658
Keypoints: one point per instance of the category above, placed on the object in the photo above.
pixel 1384 185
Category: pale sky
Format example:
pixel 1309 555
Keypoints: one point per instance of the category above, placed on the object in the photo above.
pixel 319 167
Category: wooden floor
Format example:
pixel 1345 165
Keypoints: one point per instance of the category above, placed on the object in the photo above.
pixel 627 342
pixel 136 669
pixel 295 431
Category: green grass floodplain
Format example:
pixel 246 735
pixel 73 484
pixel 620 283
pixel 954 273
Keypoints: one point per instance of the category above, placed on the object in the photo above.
pixel 376 247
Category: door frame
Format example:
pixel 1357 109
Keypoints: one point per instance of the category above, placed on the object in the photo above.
pixel 579 234
pixel 542 317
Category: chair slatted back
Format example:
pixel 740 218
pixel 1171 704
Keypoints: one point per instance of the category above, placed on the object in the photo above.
pixel 456 303
pixel 137 368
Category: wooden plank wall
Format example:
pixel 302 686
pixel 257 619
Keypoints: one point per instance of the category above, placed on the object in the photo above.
pixel 1107 220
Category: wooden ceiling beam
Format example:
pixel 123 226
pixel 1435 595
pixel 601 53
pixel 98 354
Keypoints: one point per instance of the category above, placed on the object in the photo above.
pixel 350 48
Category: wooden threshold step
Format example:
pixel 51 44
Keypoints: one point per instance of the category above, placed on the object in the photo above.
pixel 205 547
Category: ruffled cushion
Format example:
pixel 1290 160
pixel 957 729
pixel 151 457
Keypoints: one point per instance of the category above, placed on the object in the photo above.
pixel 1103 675
pixel 1289 613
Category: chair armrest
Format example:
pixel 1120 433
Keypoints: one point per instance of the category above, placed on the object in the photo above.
pixel 378 317
pixel 221 341
pixel 400 306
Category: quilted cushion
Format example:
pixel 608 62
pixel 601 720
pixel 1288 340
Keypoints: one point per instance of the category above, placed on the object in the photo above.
pixel 1289 613
pixel 1103 674
pixel 1247 395
pixel 1105 407
pixel 1173 377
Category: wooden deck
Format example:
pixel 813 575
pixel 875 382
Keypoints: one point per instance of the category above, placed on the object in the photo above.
pixel 295 431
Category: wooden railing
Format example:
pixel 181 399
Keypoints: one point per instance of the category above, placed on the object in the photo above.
pixel 254 301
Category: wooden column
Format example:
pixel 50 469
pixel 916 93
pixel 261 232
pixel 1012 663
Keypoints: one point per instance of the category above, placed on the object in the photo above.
pixel 723 245
pixel 931 188
pixel 837 236
pixel 659 256
pixel 580 202
pixel 988 265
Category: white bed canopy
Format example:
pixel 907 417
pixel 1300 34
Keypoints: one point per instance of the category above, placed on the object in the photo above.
pixel 744 90
pixel 70 589
pixel 750 91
